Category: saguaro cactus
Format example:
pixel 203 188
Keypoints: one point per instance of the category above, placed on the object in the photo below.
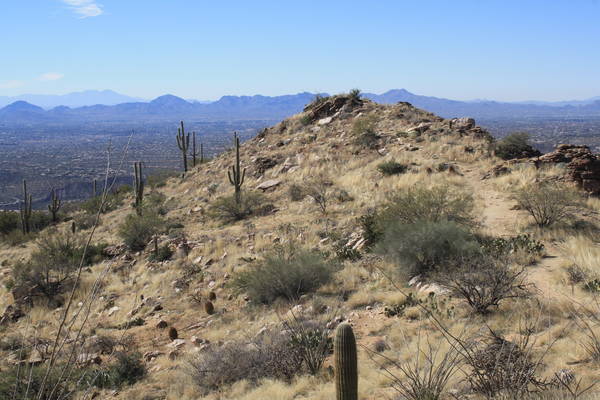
pixel 54 205
pixel 26 209
pixel 94 187
pixel 194 152
pixel 183 142
pixel 346 373
pixel 235 173
pixel 138 181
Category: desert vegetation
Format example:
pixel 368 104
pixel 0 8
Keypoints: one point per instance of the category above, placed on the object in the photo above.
pixel 329 256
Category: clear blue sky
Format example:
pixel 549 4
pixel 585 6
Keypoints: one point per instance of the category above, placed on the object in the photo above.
pixel 504 50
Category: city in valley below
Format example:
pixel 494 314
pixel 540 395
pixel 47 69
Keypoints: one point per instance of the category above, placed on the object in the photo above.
pixel 69 158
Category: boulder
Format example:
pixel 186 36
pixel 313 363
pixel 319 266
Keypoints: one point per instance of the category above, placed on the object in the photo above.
pixel 269 184
pixel 464 123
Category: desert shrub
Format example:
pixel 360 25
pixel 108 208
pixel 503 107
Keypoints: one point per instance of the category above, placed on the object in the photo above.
pixel 547 203
pixel 164 253
pixel 9 221
pixel 371 229
pixel 84 221
pixel 126 370
pixel 317 100
pixel 268 356
pixel 424 247
pixel 425 376
pixel 364 132
pixel 112 201
pixel 310 339
pixel 159 179
pixel 421 204
pixel 10 226
pixel 227 208
pixel 52 265
pixel 484 282
pixel 296 192
pixel 154 203
pixel 321 190
pixel 286 272
pixel 306 119
pixel 391 168
pixel 355 96
pixel 137 230
pixel 25 383
pixel 515 145
pixel 498 367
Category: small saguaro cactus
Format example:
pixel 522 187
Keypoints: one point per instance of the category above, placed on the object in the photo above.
pixel 94 188
pixel 183 142
pixel 195 153
pixel 346 373
pixel 26 209
pixel 54 205
pixel 235 173
pixel 138 181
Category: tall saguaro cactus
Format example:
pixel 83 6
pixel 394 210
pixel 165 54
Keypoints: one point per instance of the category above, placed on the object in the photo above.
pixel 138 186
pixel 26 209
pixel 54 205
pixel 235 173
pixel 346 373
pixel 183 142
pixel 194 152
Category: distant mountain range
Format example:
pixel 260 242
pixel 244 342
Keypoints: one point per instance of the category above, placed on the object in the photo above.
pixel 76 99
pixel 230 108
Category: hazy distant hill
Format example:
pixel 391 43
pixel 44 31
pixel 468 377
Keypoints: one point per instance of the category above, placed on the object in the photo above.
pixel 169 108
pixel 76 99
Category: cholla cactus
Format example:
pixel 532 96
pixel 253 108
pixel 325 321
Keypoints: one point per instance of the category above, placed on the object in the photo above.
pixel 25 209
pixel 183 142
pixel 54 205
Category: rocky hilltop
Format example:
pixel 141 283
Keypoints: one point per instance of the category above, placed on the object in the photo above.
pixel 351 211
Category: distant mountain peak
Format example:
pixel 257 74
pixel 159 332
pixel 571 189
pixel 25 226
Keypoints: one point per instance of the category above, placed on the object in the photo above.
pixel 22 105
pixel 169 100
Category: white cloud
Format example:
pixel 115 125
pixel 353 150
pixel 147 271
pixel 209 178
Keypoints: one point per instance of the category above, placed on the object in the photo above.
pixel 11 84
pixel 84 8
pixel 51 76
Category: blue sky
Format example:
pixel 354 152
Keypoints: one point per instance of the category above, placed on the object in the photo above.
pixel 504 50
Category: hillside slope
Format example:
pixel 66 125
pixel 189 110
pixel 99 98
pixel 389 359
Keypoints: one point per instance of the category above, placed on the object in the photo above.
pixel 337 143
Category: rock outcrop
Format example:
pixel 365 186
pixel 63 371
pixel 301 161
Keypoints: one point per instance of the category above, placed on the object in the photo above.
pixel 583 166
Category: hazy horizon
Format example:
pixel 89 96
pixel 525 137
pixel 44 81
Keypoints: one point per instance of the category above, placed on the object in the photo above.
pixel 505 51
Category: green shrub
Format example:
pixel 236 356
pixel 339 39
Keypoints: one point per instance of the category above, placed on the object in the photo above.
pixel 515 145
pixel 421 204
pixel 137 230
pixel 391 168
pixel 164 253
pixel 127 370
pixel 285 272
pixel 423 247
pixel 296 192
pixel 9 221
pixel 226 208
pixel 547 203
pixel 53 263
pixel 364 125
pixel 371 229
pixel 159 178
pixel 25 383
